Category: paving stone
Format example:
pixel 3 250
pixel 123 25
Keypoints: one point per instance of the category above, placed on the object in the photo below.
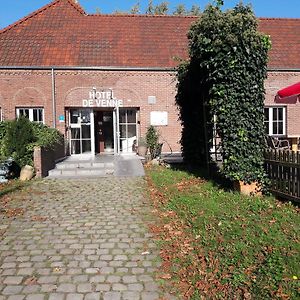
pixel 131 295
pixel 56 296
pixel 113 278
pixel 13 280
pixel 84 288
pixel 25 271
pixel 92 296
pixel 81 278
pixel 135 287
pixel 112 296
pixel 14 297
pixel 88 248
pixel 66 288
pixel 46 288
pixel 151 286
pixel 74 296
pixel 129 279
pixel 12 289
pixel 119 287
pixel 103 287
pixel 96 279
pixel 150 296
pixel 36 297
pixel 31 289
pixel 47 279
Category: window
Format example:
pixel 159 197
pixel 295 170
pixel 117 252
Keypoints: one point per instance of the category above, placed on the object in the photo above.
pixel 33 114
pixel 275 120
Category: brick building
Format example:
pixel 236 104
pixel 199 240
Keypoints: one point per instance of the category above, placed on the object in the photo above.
pixel 103 79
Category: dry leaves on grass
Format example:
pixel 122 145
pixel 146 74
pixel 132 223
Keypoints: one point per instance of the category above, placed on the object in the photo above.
pixel 38 218
pixel 187 184
pixel 182 258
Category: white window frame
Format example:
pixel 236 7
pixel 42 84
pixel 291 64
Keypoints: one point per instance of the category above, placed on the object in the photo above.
pixel 1 116
pixel 270 120
pixel 31 109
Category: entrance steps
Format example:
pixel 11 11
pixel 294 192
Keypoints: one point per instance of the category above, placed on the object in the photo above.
pixel 79 168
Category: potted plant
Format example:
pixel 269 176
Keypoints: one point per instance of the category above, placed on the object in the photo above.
pixel 152 137
pixel 142 147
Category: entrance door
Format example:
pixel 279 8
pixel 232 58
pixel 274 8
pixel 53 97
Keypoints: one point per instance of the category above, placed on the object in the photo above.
pixel 128 129
pixel 104 136
pixel 81 127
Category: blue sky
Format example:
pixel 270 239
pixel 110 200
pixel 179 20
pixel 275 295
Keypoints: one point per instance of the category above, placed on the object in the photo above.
pixel 13 10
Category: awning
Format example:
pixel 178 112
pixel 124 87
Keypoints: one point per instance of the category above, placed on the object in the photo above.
pixel 289 94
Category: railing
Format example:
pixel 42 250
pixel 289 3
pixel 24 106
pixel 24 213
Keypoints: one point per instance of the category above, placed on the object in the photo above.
pixel 283 169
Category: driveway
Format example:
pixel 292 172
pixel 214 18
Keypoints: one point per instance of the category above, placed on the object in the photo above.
pixel 78 239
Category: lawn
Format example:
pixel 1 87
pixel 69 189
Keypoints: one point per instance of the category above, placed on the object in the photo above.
pixel 217 244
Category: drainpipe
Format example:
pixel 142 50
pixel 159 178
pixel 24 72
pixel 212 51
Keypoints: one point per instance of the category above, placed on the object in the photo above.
pixel 53 98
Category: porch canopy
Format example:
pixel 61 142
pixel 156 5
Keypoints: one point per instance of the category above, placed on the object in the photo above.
pixel 289 94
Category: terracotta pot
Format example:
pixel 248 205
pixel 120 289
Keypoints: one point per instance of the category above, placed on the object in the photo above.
pixel 142 151
pixel 251 189
pixel 27 173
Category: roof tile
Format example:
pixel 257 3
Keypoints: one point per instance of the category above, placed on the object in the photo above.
pixel 62 34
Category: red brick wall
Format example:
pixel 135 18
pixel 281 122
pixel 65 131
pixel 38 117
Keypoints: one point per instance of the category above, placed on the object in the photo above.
pixel 277 81
pixel 45 159
pixel 34 88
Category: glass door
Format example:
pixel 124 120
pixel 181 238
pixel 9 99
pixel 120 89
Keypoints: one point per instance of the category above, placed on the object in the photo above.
pixel 81 127
pixel 128 129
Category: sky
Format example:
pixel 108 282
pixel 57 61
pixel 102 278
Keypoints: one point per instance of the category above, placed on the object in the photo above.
pixel 13 10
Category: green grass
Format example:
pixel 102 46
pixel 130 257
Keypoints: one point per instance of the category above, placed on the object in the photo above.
pixel 12 186
pixel 253 241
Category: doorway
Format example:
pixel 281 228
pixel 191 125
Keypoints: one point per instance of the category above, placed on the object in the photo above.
pixel 81 128
pixel 104 134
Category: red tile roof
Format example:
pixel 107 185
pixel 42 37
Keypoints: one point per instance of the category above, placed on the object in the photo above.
pixel 285 38
pixel 62 34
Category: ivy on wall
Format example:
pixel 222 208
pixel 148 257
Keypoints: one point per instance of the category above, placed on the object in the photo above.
pixel 224 77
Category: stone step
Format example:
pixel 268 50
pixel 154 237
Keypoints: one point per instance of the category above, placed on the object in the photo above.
pixel 83 165
pixel 80 172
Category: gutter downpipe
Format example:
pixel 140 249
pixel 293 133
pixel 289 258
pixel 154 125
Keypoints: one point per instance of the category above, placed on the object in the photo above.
pixel 53 97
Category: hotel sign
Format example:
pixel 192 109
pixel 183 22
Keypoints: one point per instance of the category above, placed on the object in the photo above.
pixel 103 98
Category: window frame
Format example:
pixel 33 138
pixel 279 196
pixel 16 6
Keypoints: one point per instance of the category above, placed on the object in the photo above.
pixel 271 110
pixel 31 113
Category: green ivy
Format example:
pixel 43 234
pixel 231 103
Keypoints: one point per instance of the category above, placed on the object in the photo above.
pixel 224 77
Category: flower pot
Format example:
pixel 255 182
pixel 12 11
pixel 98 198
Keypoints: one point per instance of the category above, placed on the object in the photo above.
pixel 27 173
pixel 142 151
pixel 249 189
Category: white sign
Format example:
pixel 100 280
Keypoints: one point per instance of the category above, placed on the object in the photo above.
pixel 159 118
pixel 104 98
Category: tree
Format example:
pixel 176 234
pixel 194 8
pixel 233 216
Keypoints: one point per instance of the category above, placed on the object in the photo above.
pixel 161 9
pixel 226 73
pixel 150 8
pixel 180 10
pixel 136 9
pixel 195 11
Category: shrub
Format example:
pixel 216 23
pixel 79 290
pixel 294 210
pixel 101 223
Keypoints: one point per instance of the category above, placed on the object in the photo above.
pixel 152 137
pixel 46 136
pixel 16 143
pixel 19 137
pixel 3 129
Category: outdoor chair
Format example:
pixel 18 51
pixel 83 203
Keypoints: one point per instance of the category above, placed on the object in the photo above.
pixel 276 144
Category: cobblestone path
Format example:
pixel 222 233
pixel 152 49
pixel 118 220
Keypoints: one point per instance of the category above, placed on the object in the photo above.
pixel 80 239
